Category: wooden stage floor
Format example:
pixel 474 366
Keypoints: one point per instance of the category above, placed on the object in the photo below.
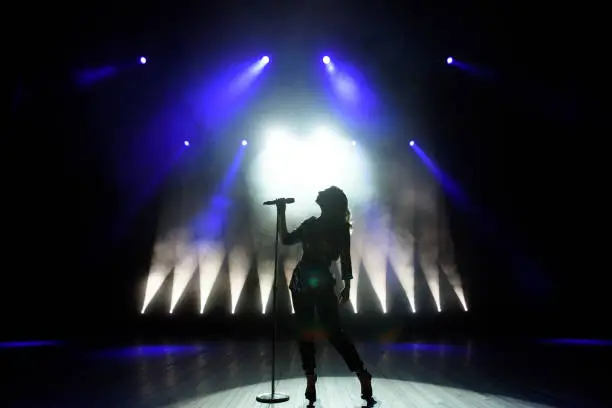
pixel 231 374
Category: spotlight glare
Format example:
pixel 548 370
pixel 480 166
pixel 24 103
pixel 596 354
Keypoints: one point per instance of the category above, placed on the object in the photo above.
pixel 265 59
pixel 354 143
pixel 412 143
pixel 186 143
pixel 449 60
pixel 284 157
pixel 143 60
pixel 244 142
pixel 326 60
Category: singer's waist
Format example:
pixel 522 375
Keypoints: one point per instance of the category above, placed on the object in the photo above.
pixel 314 263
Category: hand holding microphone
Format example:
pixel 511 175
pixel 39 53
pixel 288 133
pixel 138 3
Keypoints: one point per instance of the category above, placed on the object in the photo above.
pixel 280 203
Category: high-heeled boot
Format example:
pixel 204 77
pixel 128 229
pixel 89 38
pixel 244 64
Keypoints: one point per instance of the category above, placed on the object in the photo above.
pixel 311 390
pixel 365 379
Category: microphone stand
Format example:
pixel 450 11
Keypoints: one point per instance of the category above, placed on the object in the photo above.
pixel 274 397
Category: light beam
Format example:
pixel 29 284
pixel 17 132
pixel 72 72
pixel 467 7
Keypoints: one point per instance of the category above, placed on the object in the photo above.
pixel 165 256
pixel 210 259
pixel 375 257
pixel 238 270
pixel 356 260
pixel 265 271
pixel 182 275
pixel 402 260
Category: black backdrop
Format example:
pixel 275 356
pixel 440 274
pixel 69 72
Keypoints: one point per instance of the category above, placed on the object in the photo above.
pixel 505 139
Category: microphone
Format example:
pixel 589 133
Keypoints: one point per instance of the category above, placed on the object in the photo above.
pixel 280 201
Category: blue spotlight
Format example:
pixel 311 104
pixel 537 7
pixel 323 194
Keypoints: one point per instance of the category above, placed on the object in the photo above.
pixel 143 60
pixel 326 60
pixel 412 143
pixel 244 142
pixel 449 60
pixel 265 59
pixel 186 143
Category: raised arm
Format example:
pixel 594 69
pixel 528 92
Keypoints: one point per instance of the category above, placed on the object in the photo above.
pixel 286 237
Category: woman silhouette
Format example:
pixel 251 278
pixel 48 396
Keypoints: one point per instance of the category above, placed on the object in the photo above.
pixel 324 240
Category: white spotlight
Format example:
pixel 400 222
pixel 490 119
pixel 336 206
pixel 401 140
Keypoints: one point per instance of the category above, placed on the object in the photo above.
pixel 274 134
pixel 326 60
pixel 325 132
pixel 284 167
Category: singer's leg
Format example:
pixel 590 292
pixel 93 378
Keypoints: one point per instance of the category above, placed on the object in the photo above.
pixel 304 306
pixel 327 309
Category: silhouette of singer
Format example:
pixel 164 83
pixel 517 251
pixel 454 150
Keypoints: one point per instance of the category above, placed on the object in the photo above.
pixel 324 240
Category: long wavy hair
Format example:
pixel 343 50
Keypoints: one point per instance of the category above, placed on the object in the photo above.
pixel 334 204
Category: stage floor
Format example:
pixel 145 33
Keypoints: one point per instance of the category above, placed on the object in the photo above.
pixel 561 373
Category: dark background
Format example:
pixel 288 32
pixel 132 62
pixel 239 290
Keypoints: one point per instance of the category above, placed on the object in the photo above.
pixel 507 135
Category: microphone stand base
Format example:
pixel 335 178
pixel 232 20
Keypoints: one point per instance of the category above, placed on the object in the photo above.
pixel 269 398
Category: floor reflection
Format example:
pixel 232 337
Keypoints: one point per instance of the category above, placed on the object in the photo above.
pixel 551 374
